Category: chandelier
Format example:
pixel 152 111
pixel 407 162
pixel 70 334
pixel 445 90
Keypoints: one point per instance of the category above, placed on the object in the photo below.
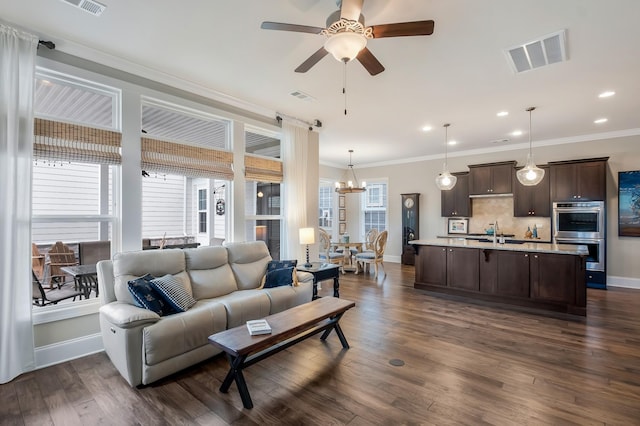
pixel 350 184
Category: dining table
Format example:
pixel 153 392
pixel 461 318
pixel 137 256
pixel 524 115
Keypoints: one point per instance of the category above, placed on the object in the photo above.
pixel 349 264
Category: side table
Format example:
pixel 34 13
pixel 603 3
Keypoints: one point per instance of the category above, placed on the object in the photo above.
pixel 321 272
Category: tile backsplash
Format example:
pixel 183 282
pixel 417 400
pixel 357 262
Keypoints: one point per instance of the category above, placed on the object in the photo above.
pixel 487 210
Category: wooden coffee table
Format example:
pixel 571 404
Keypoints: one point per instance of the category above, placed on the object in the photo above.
pixel 288 328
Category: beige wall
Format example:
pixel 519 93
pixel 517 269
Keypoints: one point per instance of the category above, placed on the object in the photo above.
pixel 623 153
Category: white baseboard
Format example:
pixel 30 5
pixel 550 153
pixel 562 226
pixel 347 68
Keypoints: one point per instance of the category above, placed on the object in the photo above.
pixel 392 259
pixel 68 350
pixel 624 282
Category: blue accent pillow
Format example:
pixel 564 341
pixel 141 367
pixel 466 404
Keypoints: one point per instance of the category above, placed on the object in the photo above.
pixel 173 292
pixel 279 277
pixel 145 296
pixel 279 264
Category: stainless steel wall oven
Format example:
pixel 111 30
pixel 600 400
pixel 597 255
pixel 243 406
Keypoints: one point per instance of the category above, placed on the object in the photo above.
pixel 583 223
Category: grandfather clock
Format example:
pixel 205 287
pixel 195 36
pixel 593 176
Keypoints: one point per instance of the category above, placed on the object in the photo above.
pixel 410 226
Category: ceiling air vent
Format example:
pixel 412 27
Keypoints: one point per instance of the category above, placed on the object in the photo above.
pixel 544 51
pixel 301 95
pixel 89 6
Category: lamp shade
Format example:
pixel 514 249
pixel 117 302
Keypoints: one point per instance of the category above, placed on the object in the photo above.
pixel 446 181
pixel 345 46
pixel 530 174
pixel 307 235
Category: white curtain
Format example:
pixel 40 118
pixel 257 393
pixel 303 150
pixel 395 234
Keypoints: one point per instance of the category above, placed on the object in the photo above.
pixel 17 72
pixel 295 155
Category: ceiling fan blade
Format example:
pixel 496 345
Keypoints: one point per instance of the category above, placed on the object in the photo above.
pixel 370 62
pixel 312 60
pixel 290 27
pixel 403 29
pixel 351 9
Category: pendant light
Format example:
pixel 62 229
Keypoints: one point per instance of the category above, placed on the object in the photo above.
pixel 530 174
pixel 445 180
pixel 350 184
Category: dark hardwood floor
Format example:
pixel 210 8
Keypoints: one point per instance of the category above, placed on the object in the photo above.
pixel 465 363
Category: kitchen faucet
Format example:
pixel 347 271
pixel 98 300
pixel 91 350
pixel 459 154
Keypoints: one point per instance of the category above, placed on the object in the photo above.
pixel 495 230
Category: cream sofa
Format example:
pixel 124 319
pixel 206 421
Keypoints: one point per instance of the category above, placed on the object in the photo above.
pixel 224 280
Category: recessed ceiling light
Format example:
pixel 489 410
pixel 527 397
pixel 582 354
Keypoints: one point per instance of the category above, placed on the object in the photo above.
pixel 426 129
pixel 453 142
pixel 502 114
pixel 600 120
pixel 606 94
pixel 516 133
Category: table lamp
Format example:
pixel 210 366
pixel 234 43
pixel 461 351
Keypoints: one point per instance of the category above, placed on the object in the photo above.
pixel 307 236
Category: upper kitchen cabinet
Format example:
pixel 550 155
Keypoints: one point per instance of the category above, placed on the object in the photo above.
pixel 532 200
pixel 491 179
pixel 456 202
pixel 579 179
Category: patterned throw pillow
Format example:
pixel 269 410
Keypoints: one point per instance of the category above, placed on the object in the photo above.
pixel 279 277
pixel 173 292
pixel 145 296
pixel 274 265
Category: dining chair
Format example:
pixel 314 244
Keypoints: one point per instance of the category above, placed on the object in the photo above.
pixel 37 261
pixel 60 255
pixel 327 252
pixel 375 257
pixel 51 297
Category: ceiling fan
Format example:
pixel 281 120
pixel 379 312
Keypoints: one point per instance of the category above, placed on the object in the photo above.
pixel 347 35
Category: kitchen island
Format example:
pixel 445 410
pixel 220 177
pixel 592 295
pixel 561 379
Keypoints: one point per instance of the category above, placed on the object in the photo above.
pixel 543 276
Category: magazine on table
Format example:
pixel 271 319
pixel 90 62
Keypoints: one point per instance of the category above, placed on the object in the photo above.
pixel 257 327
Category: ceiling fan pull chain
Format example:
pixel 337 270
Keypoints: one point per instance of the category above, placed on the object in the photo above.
pixel 344 86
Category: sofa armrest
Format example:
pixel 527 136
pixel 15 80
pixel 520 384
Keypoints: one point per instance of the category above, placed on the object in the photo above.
pixel 124 315
pixel 304 277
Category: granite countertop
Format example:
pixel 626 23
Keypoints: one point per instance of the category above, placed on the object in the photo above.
pixel 513 246
pixel 507 237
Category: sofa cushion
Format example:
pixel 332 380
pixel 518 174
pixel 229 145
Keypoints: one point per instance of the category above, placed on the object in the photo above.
pixel 180 333
pixel 130 265
pixel 248 261
pixel 146 296
pixel 286 297
pixel 173 292
pixel 210 272
pixel 245 305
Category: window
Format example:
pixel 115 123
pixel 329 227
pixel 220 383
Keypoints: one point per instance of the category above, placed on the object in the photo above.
pixel 374 201
pixel 73 198
pixel 263 203
pixel 187 163
pixel 325 206
pixel 202 210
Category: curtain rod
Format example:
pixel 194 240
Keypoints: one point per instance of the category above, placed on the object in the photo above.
pixel 316 122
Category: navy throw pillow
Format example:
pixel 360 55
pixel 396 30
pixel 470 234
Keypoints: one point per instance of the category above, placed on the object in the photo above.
pixel 279 277
pixel 145 296
pixel 279 264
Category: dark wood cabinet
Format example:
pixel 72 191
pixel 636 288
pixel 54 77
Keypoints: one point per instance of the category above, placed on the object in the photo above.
pixel 491 179
pixel 462 268
pixel 541 280
pixel 456 202
pixel 432 265
pixel 410 226
pixel 547 270
pixel 532 200
pixel 504 273
pixel 579 180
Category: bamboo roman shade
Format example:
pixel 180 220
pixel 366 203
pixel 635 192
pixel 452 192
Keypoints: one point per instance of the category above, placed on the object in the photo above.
pixel 262 169
pixel 186 160
pixel 58 141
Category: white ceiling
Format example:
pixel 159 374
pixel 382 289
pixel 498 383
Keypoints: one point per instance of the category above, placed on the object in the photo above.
pixel 460 74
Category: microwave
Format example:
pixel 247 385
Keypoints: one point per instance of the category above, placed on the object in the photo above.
pixel 579 219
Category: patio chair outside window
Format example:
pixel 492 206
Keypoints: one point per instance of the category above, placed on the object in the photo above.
pixel 60 255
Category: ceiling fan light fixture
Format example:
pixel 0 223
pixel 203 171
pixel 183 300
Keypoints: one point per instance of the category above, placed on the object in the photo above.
pixel 345 46
pixel 445 180
pixel 530 174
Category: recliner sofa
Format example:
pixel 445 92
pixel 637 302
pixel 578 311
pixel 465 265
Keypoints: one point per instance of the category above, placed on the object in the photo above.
pixel 225 281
